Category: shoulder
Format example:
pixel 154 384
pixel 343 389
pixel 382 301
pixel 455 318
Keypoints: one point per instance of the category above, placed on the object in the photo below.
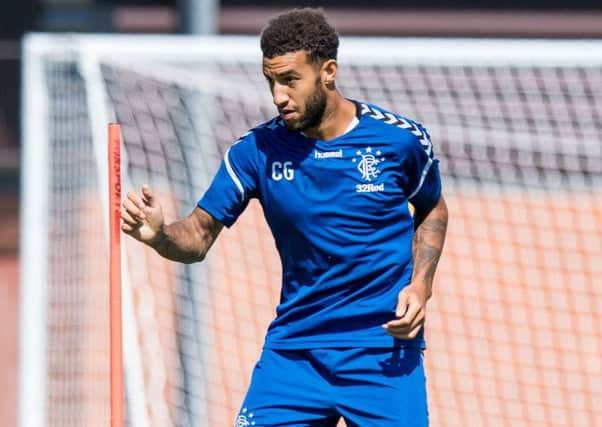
pixel 398 127
pixel 259 135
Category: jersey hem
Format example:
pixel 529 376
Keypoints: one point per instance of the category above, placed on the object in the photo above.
pixel 305 345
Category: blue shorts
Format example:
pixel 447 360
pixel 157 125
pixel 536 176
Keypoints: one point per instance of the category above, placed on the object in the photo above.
pixel 368 387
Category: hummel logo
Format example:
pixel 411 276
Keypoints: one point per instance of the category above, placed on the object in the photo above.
pixel 328 154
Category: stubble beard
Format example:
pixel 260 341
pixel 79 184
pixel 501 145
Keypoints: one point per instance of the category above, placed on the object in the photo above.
pixel 314 111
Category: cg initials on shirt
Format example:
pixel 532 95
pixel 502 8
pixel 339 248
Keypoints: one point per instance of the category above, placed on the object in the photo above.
pixel 283 170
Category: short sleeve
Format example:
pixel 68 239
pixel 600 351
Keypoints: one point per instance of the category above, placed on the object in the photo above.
pixel 421 169
pixel 234 184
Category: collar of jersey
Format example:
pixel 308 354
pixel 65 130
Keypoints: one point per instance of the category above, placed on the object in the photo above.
pixel 352 124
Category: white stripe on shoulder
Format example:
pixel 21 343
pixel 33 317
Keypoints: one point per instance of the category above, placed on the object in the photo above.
pixel 233 174
pixel 422 177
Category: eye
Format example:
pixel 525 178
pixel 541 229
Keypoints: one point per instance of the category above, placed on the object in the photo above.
pixel 290 80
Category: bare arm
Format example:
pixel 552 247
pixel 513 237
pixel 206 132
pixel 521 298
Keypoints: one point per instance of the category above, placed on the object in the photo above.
pixel 189 239
pixel 429 238
pixel 186 240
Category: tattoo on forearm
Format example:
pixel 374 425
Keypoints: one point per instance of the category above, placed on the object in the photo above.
pixel 435 225
pixel 427 247
pixel 426 261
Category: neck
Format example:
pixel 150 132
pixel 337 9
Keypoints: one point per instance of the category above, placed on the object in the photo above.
pixel 338 114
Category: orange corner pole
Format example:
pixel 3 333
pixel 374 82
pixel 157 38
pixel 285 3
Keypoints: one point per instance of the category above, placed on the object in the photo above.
pixel 116 344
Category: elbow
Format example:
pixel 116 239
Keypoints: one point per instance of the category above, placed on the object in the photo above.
pixel 191 260
pixel 198 257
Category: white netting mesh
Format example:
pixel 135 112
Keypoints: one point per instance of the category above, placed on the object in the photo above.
pixel 514 327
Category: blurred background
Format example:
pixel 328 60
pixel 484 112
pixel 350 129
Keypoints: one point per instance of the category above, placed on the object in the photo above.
pixel 424 18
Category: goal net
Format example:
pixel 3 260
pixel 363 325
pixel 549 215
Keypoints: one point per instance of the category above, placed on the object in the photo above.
pixel 514 326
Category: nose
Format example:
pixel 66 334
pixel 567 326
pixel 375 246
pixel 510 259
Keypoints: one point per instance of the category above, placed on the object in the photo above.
pixel 280 95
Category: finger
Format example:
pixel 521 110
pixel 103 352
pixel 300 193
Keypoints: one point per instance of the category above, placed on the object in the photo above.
pixel 149 196
pixel 414 332
pixel 405 333
pixel 136 200
pixel 133 209
pixel 402 304
pixel 127 218
pixel 127 228
pixel 406 323
pixel 404 329
pixel 412 311
pixel 396 324
pixel 396 333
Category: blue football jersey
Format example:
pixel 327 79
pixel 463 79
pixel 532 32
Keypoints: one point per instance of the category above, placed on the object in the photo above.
pixel 339 214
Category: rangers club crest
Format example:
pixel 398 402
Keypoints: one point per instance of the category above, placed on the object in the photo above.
pixel 367 163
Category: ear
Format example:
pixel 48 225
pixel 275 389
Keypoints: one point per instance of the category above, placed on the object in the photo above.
pixel 328 73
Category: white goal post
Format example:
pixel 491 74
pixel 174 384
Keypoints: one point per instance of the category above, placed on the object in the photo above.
pixel 516 124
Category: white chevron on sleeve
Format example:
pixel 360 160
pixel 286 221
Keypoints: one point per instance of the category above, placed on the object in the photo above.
pixel 404 124
pixel 377 114
pixel 400 122
pixel 391 119
pixel 365 109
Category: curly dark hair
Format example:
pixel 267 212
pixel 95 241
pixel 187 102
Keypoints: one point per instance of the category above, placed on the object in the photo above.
pixel 300 29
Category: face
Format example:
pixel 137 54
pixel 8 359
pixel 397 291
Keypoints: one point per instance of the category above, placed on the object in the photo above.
pixel 297 89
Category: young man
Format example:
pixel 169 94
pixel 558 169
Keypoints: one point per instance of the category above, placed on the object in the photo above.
pixel 335 178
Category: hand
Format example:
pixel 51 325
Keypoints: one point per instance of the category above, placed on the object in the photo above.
pixel 411 312
pixel 142 216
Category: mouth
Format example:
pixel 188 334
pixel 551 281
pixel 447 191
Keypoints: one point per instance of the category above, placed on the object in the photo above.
pixel 287 114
